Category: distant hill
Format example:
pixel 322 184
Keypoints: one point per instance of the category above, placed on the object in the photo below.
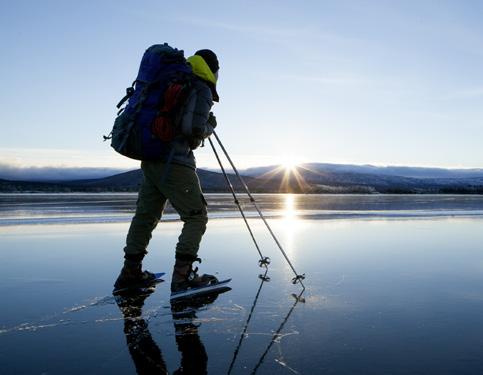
pixel 307 178
pixel 210 181
pixel 410 172
pixel 130 181
pixel 322 177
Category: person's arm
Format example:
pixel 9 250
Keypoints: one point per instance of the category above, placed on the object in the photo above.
pixel 197 122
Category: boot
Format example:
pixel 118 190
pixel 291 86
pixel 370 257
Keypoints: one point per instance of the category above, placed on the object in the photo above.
pixel 132 276
pixel 185 277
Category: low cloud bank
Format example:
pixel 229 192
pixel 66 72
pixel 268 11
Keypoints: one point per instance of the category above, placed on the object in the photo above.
pixel 16 173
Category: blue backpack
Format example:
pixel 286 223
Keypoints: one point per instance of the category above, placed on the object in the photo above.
pixel 145 128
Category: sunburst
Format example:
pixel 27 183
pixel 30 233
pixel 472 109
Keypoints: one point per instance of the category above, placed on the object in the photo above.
pixel 288 173
pixel 289 165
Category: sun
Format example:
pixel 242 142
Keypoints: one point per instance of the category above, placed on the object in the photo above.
pixel 289 165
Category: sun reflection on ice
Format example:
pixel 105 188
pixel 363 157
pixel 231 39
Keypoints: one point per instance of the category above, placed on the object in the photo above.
pixel 290 223
pixel 289 212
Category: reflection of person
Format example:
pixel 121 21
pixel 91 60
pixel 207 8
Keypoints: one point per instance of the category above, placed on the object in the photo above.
pixel 145 353
pixel 194 359
pixel 176 180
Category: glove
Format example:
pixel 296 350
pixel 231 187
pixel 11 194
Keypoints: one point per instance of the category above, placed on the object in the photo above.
pixel 212 120
pixel 194 143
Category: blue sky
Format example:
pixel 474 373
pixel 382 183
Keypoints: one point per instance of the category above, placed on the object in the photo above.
pixel 377 82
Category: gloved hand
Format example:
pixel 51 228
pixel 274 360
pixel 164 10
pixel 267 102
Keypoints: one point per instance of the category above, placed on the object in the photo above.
pixel 212 120
pixel 194 143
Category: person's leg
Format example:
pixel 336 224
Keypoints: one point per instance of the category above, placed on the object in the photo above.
pixel 181 187
pixel 185 195
pixel 149 208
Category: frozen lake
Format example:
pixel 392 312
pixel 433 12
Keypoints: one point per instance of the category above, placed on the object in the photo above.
pixel 18 209
pixel 394 285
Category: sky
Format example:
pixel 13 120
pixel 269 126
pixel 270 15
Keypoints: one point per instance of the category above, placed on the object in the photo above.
pixel 360 82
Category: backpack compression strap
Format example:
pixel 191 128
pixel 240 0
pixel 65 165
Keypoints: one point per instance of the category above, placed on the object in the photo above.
pixel 129 93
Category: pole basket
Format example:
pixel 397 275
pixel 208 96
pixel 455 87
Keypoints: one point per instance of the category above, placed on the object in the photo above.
pixel 298 279
pixel 264 262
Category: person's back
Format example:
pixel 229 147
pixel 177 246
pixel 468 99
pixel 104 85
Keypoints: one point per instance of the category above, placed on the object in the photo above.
pixel 175 179
pixel 196 122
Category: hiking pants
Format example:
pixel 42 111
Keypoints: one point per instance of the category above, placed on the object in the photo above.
pixel 181 187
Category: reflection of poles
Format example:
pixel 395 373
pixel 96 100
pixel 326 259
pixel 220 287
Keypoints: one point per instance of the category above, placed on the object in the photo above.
pixel 264 261
pixel 264 278
pixel 298 277
pixel 298 299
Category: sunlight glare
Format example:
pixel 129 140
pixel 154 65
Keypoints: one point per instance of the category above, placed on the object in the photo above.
pixel 290 162
pixel 290 224
pixel 290 165
pixel 289 209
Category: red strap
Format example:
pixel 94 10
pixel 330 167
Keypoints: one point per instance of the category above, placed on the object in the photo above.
pixel 171 97
pixel 163 126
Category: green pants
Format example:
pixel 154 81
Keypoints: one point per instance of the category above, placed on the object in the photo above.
pixel 181 187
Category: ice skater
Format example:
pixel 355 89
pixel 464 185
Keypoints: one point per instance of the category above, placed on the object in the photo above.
pixel 174 179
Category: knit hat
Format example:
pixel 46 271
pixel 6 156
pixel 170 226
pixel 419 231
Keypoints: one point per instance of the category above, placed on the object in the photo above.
pixel 210 58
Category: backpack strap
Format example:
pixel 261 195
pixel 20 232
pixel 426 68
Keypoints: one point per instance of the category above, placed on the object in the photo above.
pixel 167 165
pixel 129 93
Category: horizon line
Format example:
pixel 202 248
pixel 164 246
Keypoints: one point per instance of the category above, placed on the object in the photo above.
pixel 15 166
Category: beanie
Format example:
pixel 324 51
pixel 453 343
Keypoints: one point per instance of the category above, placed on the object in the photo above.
pixel 210 59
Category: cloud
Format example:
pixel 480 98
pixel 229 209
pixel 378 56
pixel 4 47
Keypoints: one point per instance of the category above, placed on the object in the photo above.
pixel 65 158
pixel 254 30
pixel 290 37
pixel 346 80
pixel 468 93
pixel 457 95
pixel 12 172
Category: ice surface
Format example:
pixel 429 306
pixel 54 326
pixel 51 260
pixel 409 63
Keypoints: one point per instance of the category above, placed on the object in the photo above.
pixel 399 294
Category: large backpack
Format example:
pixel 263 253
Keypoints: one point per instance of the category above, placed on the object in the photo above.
pixel 146 127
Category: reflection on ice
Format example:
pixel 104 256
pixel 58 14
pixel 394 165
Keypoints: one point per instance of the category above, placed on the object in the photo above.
pixel 406 288
pixel 289 225
pixel 289 211
pixel 18 209
pixel 141 325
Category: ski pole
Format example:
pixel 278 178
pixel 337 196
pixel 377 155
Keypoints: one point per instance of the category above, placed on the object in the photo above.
pixel 264 261
pixel 298 277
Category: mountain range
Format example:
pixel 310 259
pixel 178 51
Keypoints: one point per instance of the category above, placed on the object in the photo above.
pixel 305 178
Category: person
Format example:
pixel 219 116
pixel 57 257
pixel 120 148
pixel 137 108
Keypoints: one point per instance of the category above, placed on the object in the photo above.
pixel 175 180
